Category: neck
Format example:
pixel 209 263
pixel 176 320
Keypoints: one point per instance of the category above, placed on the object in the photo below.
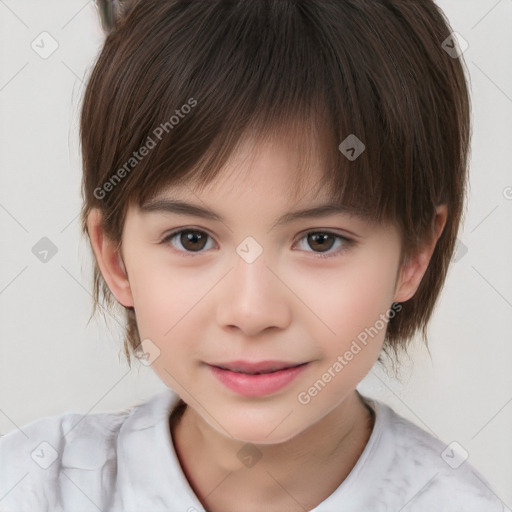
pixel 319 458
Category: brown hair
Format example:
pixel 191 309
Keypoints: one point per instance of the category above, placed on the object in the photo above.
pixel 188 80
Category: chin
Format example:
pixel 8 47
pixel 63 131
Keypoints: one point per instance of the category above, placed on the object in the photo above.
pixel 258 428
pixel 261 436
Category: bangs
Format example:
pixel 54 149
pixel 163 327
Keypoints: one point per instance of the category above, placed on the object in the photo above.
pixel 268 72
pixel 308 140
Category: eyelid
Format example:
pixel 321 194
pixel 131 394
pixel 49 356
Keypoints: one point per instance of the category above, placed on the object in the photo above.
pixel 348 235
pixel 177 230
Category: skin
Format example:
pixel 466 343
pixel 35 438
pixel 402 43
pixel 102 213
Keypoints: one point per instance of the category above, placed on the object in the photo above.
pixel 289 304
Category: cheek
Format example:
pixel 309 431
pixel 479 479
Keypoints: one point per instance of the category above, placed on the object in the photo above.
pixel 162 296
pixel 168 302
pixel 351 308
pixel 349 302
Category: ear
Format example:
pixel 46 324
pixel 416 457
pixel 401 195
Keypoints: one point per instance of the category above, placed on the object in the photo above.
pixel 109 260
pixel 413 270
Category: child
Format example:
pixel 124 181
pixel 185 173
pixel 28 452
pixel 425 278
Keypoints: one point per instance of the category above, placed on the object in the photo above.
pixel 316 153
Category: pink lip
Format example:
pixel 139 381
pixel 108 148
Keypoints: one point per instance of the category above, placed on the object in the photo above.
pixel 260 384
pixel 258 366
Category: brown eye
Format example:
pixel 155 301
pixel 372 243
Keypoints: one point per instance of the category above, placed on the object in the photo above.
pixel 321 241
pixel 193 240
pixel 320 244
pixel 190 240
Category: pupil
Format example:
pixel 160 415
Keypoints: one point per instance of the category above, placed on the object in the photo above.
pixel 192 237
pixel 320 238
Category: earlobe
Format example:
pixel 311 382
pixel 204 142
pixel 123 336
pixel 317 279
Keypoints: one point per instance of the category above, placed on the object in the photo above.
pixel 414 268
pixel 109 260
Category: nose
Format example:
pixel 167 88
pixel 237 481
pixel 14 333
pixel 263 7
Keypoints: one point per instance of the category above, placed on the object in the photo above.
pixel 253 298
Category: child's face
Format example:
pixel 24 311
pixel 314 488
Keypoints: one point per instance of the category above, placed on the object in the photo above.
pixel 215 305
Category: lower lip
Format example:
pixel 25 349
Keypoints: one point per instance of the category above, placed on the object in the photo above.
pixel 257 385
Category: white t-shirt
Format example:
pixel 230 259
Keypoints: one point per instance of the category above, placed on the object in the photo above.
pixel 126 462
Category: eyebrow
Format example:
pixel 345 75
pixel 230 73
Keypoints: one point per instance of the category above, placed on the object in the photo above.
pixel 179 207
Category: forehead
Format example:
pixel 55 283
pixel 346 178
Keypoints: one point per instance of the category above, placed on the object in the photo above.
pixel 272 172
pixel 262 179
pixel 262 170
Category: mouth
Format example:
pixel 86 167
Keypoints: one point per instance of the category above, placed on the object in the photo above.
pixel 256 379
pixel 257 368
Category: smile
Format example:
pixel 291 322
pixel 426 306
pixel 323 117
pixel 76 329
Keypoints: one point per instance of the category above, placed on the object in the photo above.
pixel 256 379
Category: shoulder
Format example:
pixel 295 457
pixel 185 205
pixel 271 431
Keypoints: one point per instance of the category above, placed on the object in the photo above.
pixel 432 475
pixel 41 458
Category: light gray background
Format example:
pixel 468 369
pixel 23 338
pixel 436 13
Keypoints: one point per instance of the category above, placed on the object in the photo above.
pixel 53 362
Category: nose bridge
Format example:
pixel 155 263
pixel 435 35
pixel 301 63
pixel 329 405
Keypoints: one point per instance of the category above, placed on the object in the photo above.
pixel 251 279
pixel 252 297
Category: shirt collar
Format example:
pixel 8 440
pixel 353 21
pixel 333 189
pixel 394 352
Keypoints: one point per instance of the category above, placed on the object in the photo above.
pixel 149 474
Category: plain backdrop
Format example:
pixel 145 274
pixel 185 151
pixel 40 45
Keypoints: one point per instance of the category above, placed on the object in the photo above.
pixel 52 361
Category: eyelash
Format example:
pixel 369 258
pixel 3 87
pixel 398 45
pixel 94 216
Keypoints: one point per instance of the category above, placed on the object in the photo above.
pixel 347 242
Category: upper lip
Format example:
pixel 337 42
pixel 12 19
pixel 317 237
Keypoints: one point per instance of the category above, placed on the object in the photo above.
pixel 255 367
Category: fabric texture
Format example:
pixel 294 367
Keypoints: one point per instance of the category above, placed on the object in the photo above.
pixel 126 462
